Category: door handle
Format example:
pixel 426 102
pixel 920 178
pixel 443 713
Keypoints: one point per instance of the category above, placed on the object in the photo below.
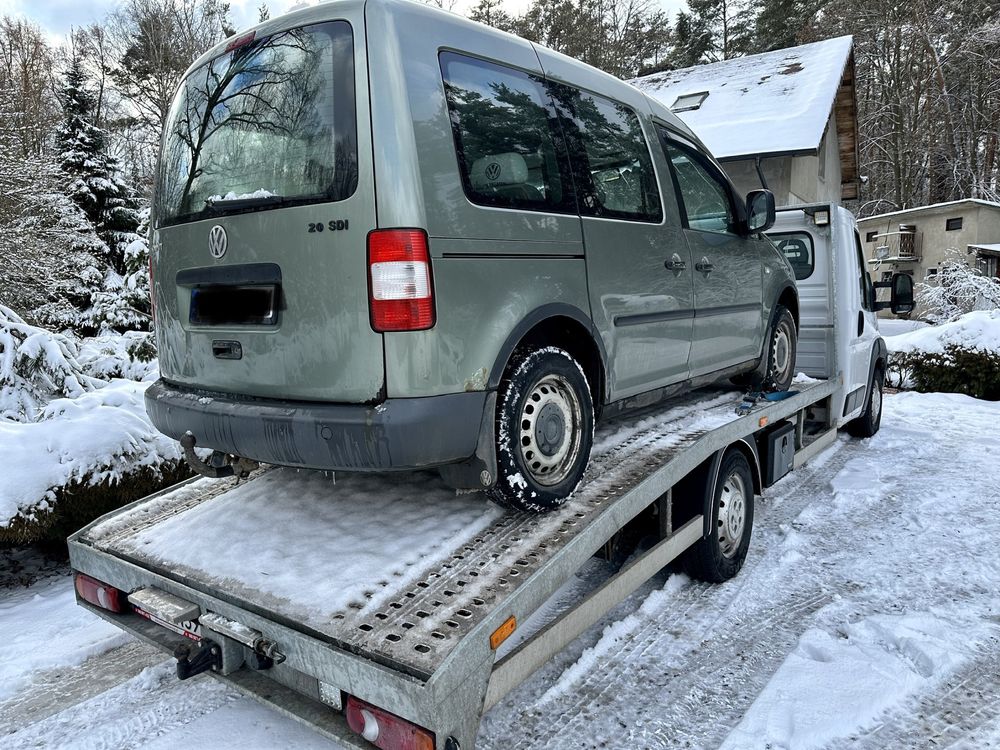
pixel 675 264
pixel 704 265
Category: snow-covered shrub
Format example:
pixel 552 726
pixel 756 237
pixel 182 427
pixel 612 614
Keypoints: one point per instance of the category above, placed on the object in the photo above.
pixel 958 369
pixel 958 288
pixel 36 366
pixel 130 355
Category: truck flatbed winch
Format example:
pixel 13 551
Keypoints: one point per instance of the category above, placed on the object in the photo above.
pixel 412 655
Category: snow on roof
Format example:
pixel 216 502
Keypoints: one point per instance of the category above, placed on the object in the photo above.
pixel 932 207
pixel 993 247
pixel 775 102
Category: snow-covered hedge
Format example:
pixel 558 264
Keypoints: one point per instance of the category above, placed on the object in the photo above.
pixel 36 366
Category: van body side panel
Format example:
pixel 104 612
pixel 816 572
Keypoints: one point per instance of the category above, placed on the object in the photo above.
pixel 322 346
pixel 459 353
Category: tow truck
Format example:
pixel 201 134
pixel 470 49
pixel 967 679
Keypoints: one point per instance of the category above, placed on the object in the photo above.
pixel 415 659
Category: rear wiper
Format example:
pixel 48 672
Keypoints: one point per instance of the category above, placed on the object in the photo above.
pixel 224 204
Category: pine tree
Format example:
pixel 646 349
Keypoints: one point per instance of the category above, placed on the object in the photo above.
pixel 692 41
pixel 721 29
pixel 779 22
pixel 491 13
pixel 106 292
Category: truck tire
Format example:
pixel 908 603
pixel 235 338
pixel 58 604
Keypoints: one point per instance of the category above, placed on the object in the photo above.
pixel 870 420
pixel 719 556
pixel 778 368
pixel 544 430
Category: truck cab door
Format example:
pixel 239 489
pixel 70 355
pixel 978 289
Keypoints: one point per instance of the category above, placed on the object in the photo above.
pixel 861 328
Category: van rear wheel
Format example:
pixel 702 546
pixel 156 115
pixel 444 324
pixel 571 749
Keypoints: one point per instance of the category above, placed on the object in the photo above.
pixel 544 430
pixel 778 369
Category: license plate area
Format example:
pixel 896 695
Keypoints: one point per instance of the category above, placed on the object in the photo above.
pixel 168 611
pixel 226 305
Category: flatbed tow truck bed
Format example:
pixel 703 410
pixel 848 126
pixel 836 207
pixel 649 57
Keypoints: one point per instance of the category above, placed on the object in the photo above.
pixel 415 634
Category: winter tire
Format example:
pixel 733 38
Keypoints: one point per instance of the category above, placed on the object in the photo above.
pixel 544 430
pixel 871 418
pixel 719 556
pixel 778 368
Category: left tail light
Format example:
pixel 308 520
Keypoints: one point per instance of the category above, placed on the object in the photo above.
pixel 100 594
pixel 386 730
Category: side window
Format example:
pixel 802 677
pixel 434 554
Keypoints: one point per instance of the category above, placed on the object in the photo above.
pixel 610 156
pixel 798 248
pixel 506 136
pixel 867 290
pixel 704 196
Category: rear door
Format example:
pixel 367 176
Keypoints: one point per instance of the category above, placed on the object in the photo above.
pixel 264 201
pixel 728 322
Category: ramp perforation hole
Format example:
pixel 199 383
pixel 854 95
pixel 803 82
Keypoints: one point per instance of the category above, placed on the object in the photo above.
pixel 521 561
pixel 421 648
pixel 381 616
pixel 422 613
pixel 478 602
pixel 407 625
pixel 464 613
pixel 501 581
pixel 365 627
pixel 436 603
pixel 514 573
pixel 437 634
pixel 474 574
pixel 449 592
pixel 451 623
pixel 460 583
pixel 395 605
pixel 423 584
pixel 409 594
pixel 393 637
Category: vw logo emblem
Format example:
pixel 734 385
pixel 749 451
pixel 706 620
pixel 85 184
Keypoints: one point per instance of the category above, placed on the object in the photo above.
pixel 493 170
pixel 218 242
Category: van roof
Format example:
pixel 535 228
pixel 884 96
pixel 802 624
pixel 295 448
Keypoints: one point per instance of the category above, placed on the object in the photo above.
pixel 326 11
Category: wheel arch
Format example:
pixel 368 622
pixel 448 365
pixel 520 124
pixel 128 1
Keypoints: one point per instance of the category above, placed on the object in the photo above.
pixel 748 448
pixel 788 296
pixel 562 325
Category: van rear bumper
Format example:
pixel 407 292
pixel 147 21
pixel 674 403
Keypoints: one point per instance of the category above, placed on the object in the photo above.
pixel 403 433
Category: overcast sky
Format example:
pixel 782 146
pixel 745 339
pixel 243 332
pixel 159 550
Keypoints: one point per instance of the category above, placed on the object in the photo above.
pixel 57 17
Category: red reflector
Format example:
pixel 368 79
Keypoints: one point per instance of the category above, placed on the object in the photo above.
pixel 241 41
pixel 386 730
pixel 400 289
pixel 100 594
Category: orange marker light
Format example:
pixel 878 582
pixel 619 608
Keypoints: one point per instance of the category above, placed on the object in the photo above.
pixel 502 633
pixel 762 422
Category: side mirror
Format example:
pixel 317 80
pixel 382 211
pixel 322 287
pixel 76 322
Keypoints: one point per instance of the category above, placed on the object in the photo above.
pixel 901 301
pixel 901 296
pixel 760 210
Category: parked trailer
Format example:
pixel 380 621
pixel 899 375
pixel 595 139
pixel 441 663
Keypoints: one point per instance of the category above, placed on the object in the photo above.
pixel 418 665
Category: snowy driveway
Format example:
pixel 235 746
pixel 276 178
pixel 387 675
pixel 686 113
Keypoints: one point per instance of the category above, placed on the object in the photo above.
pixel 868 615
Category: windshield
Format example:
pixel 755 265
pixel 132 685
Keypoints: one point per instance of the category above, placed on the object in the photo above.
pixel 272 121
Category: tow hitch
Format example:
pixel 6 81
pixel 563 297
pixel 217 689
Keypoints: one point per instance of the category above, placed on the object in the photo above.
pixel 208 656
pixel 219 464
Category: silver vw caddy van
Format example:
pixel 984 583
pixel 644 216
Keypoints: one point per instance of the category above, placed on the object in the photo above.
pixel 386 237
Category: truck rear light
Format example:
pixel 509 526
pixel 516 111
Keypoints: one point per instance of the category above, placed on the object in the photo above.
pixel 400 290
pixel 100 594
pixel 386 730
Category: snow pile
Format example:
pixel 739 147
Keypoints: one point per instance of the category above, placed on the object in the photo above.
pixel 35 366
pixel 233 196
pixel 974 330
pixel 44 629
pixel 101 435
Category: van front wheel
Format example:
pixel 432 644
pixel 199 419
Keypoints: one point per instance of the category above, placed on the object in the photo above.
pixel 544 430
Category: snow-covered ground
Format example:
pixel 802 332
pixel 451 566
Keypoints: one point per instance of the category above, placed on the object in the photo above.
pixel 867 615
pixel 980 329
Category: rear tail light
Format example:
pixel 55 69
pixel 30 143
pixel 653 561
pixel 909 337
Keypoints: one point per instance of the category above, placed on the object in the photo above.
pixel 100 594
pixel 400 290
pixel 386 730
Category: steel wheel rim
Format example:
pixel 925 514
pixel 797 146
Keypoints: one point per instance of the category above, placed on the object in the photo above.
pixel 732 514
pixel 548 451
pixel 876 407
pixel 781 348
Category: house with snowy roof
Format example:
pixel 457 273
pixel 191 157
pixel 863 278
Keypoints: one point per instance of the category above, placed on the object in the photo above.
pixel 917 241
pixel 787 118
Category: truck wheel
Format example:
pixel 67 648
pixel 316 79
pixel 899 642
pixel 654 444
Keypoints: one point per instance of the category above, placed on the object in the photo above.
pixel 871 418
pixel 544 430
pixel 720 555
pixel 779 367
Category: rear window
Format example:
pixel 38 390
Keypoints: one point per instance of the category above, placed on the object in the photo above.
pixel 797 247
pixel 273 119
pixel 505 136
